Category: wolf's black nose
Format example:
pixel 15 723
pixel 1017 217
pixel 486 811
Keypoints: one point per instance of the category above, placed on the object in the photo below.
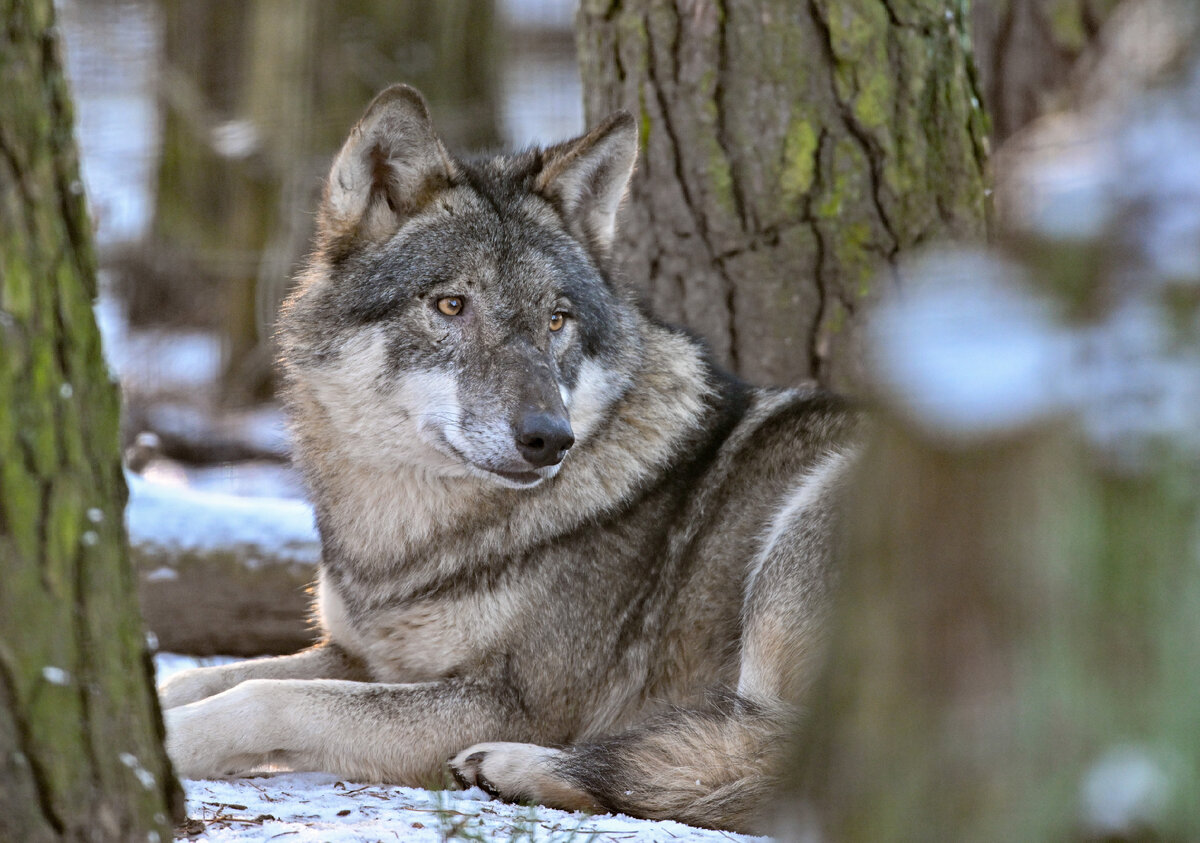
pixel 543 439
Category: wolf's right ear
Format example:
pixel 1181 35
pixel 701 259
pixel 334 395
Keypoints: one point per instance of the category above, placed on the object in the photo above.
pixel 586 177
pixel 389 167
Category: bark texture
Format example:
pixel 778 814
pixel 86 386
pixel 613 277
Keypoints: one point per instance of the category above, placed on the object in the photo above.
pixel 790 150
pixel 80 734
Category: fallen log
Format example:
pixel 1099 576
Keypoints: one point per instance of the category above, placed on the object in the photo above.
pixel 222 574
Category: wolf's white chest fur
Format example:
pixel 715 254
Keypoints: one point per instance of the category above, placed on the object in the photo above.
pixel 420 642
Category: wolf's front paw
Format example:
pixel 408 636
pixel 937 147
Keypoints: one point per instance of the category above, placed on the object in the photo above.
pixel 218 737
pixel 194 750
pixel 520 772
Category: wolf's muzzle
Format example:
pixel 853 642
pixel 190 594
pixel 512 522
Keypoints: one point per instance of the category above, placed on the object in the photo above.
pixel 543 438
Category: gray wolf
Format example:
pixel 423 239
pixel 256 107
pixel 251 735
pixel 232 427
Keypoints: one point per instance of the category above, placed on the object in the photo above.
pixel 560 548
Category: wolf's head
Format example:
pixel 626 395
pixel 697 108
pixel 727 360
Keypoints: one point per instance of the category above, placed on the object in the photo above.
pixel 457 316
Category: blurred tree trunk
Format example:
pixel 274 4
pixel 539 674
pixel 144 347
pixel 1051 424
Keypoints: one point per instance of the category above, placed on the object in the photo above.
pixel 237 130
pixel 258 97
pixel 448 49
pixel 1027 51
pixel 789 150
pixel 80 735
pixel 1014 655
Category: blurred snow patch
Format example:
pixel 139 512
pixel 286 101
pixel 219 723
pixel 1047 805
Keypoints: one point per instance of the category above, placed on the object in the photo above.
pixel 148 359
pixel 969 351
pixel 236 139
pixel 1125 792
pixel 1134 386
pixel 1066 177
pixel 182 519
pixel 966 351
pixel 1126 171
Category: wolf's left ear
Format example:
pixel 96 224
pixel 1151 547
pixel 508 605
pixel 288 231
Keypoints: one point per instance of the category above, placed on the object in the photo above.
pixel 586 177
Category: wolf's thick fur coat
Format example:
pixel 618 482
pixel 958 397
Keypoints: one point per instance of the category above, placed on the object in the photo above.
pixel 560 547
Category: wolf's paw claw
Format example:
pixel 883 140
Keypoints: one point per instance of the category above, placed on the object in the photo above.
pixel 520 772
pixel 467 769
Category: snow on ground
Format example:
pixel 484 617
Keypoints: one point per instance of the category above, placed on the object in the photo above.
pixel 312 807
pixel 321 808
pixel 185 519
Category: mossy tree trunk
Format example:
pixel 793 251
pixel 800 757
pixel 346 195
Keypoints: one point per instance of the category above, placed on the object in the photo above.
pixel 80 735
pixel 789 150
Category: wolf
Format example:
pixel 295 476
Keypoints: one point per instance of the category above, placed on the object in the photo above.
pixel 565 556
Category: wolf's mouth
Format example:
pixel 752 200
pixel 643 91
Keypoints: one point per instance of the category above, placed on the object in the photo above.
pixel 517 478
pixel 525 478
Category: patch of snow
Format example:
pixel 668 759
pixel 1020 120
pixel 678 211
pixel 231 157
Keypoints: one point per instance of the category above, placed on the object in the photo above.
pixel 263 429
pixel 152 359
pixel 56 675
pixel 968 350
pixel 320 808
pixel 1069 198
pixel 183 519
pixel 540 14
pixel 1134 387
pixel 167 665
pixel 965 351
pixel 253 479
pixel 236 139
pixel 1126 791
pixel 266 428
pixel 112 53
pixel 533 111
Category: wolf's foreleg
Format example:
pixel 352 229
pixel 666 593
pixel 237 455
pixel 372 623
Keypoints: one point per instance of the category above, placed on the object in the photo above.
pixel 398 733
pixel 324 661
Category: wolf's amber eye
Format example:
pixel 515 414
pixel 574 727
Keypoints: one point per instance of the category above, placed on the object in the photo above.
pixel 557 321
pixel 450 305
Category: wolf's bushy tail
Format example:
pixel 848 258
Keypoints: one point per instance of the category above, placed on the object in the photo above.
pixel 714 767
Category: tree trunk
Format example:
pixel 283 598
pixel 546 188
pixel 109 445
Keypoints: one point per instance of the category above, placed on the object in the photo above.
pixel 1014 657
pixel 80 736
pixel 789 150
pixel 1015 651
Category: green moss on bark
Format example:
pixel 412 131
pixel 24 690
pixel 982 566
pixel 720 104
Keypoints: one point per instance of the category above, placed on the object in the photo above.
pixel 75 691
pixel 856 121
